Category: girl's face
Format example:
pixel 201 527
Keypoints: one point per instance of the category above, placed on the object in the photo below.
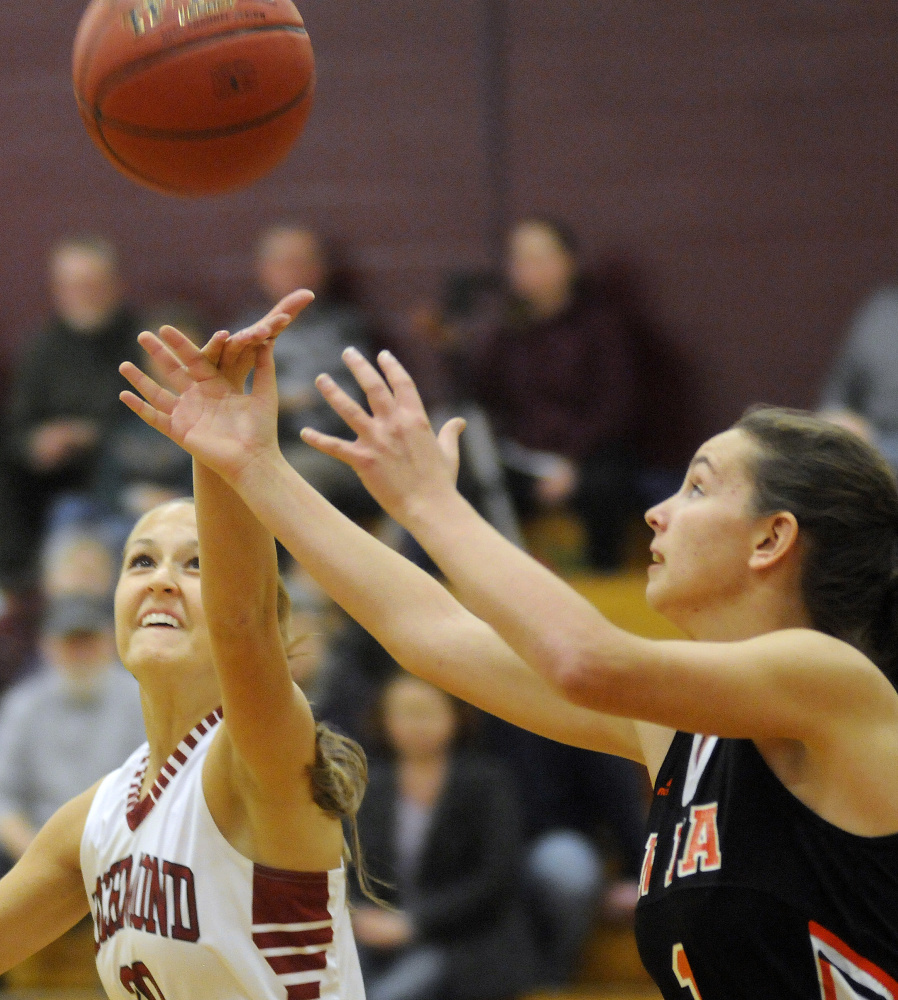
pixel 419 719
pixel 159 616
pixel 705 533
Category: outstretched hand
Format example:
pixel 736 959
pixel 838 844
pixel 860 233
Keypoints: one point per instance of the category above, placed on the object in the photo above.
pixel 396 454
pixel 206 411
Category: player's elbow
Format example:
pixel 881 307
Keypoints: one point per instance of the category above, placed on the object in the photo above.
pixel 585 676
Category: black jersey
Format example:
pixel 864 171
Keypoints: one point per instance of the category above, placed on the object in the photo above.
pixel 747 893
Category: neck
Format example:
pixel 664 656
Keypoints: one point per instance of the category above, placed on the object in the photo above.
pixel 550 304
pixel 766 609
pixel 169 716
pixel 421 778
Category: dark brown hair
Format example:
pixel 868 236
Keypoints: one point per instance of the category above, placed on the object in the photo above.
pixel 844 497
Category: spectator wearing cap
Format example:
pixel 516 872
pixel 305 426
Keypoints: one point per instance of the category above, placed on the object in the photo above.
pixel 66 725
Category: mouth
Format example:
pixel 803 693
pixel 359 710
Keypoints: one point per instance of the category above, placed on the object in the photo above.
pixel 158 619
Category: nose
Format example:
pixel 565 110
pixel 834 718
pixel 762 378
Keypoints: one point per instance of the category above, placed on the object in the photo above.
pixel 161 579
pixel 655 516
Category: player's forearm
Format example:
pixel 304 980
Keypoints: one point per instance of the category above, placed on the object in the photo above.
pixel 420 624
pixel 383 591
pixel 546 622
pixel 237 553
pixel 239 572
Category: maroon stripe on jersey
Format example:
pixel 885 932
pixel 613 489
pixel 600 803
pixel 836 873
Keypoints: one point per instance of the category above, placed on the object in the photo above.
pixel 293 939
pixel 282 964
pixel 284 897
pixel 292 898
pixel 136 809
pixel 304 991
pixel 138 813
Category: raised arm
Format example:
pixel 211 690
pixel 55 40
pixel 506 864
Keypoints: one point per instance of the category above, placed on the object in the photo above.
pixel 784 684
pixel 257 776
pixel 412 615
pixel 266 715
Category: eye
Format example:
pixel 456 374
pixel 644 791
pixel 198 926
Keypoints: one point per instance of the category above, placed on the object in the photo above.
pixel 140 561
pixel 694 490
pixel 193 563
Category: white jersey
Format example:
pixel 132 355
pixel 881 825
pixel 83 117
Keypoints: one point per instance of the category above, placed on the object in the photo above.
pixel 179 914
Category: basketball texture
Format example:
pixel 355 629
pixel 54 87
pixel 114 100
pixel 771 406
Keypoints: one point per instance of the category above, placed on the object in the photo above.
pixel 193 97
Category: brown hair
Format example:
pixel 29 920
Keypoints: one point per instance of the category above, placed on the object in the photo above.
pixel 339 774
pixel 844 497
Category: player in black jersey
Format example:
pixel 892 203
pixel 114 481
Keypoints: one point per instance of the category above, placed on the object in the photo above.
pixel 771 866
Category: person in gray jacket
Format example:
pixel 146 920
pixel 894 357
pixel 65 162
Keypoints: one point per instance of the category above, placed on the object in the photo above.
pixel 66 725
pixel 861 392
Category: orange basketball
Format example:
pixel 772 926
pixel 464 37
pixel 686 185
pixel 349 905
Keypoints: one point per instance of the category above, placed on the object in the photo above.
pixel 193 97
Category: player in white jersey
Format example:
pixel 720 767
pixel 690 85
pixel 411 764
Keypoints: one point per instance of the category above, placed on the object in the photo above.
pixel 777 557
pixel 213 860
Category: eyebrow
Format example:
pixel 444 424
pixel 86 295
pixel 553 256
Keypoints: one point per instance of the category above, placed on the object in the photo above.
pixel 149 542
pixel 703 460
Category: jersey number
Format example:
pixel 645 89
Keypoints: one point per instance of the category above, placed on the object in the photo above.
pixel 683 972
pixel 138 980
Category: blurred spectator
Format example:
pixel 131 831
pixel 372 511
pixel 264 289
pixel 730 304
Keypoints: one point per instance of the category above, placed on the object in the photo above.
pixel 554 366
pixel 290 256
pixel 53 429
pixel 584 822
pixel 339 666
pixel 861 392
pixel 138 468
pixel 72 561
pixel 440 827
pixel 78 561
pixel 67 725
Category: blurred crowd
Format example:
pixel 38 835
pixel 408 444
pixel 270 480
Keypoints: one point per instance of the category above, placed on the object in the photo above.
pixel 487 840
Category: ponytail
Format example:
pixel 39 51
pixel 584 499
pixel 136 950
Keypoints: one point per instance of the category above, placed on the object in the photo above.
pixel 339 777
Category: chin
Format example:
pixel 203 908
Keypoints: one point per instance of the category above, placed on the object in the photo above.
pixel 661 600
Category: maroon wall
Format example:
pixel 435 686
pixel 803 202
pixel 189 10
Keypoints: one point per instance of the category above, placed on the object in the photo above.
pixel 738 158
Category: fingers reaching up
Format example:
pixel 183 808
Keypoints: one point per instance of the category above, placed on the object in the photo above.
pixel 202 405
pixel 395 453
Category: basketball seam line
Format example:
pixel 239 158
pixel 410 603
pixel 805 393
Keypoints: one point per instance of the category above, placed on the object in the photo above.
pixel 145 62
pixel 198 135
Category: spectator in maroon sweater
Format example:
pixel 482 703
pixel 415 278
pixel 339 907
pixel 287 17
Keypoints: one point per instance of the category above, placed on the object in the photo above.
pixel 556 372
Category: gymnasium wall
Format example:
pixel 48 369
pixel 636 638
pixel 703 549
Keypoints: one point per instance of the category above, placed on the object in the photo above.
pixel 737 160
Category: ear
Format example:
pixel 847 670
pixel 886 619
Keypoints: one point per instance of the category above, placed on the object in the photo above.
pixel 776 537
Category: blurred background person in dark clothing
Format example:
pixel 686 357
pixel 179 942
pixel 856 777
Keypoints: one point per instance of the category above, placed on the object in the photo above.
pixel 440 827
pixel 53 429
pixel 290 256
pixel 554 366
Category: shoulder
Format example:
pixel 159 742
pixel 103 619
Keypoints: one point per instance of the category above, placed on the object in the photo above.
pixel 877 315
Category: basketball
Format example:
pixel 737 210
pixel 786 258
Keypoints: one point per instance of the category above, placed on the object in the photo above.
pixel 193 97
